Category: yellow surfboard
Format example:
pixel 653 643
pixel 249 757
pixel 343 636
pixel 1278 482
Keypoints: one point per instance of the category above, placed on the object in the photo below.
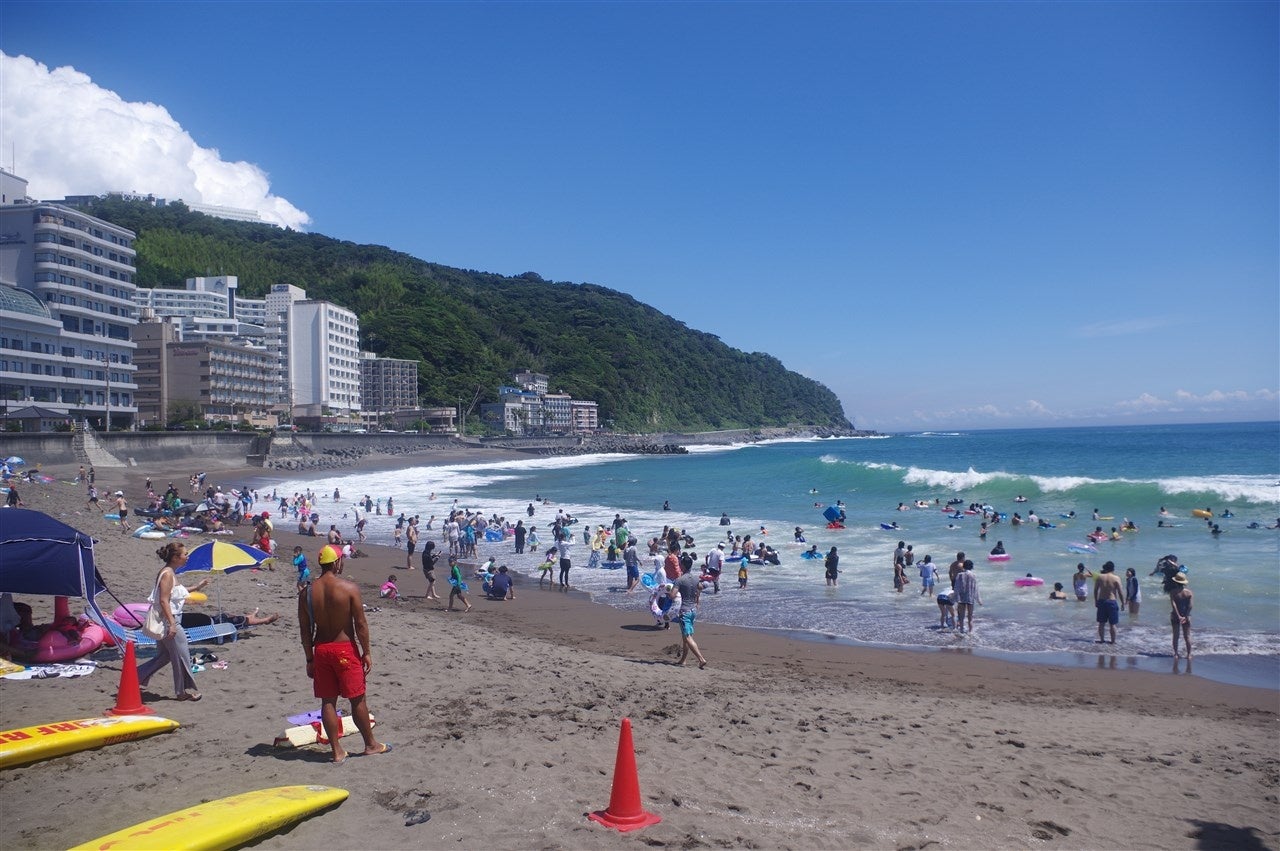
pixel 224 823
pixel 30 744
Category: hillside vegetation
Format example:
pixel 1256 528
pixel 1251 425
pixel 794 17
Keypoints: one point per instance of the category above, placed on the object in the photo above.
pixel 647 370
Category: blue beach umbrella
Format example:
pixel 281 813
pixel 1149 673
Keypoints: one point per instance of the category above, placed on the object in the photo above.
pixel 14 460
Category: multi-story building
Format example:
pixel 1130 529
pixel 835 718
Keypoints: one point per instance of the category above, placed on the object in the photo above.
pixel 585 415
pixel 527 408
pixel 220 381
pixel 324 360
pixel 80 269
pixel 210 309
pixel 518 411
pixel 278 307
pixel 202 379
pixel 151 335
pixel 534 382
pixel 557 412
pixel 387 384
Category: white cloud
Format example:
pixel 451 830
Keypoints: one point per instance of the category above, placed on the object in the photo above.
pixel 73 137
pixel 1123 327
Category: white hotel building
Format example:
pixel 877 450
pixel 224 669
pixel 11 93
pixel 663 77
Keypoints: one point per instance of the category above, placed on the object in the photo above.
pixel 324 360
pixel 209 309
pixel 78 356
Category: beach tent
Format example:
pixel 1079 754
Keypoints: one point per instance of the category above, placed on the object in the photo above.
pixel 40 555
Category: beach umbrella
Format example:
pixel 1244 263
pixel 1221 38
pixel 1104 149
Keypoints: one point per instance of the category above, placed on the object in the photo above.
pixel 219 557
pixel 14 459
pixel 223 557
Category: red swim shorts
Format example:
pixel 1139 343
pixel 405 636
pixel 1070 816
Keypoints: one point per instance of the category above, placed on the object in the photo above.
pixel 338 671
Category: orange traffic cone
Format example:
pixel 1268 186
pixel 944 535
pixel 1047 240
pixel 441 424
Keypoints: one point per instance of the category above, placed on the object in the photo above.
pixel 625 810
pixel 129 695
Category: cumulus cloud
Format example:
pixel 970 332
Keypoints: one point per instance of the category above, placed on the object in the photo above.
pixel 1214 400
pixel 74 137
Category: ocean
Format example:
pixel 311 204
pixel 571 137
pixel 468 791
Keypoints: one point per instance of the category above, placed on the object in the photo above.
pixel 1122 472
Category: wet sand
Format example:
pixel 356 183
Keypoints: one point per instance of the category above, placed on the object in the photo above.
pixel 505 725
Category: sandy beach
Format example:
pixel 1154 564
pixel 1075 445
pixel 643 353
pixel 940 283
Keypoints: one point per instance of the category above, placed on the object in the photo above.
pixel 505 723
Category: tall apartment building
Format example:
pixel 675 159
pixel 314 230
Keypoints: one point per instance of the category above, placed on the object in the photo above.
pixel 557 412
pixel 151 335
pixel 584 414
pixel 387 384
pixel 324 360
pixel 278 307
pixel 80 270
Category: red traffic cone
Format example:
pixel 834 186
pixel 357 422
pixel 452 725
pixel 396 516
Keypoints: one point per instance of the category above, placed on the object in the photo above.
pixel 129 695
pixel 625 810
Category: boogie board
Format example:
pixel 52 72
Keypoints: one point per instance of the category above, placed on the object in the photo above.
pixel 44 741
pixel 224 823
pixel 312 732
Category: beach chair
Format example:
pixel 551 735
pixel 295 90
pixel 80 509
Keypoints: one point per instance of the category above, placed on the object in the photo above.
pixel 218 632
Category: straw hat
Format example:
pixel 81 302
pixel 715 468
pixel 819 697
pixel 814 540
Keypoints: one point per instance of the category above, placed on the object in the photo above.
pixel 1180 578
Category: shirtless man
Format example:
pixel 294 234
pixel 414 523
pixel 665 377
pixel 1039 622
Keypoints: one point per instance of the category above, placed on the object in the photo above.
pixel 331 618
pixel 956 568
pixel 1108 596
pixel 411 543
pixel 122 508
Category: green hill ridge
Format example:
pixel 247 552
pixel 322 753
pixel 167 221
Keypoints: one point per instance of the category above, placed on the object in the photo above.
pixel 648 371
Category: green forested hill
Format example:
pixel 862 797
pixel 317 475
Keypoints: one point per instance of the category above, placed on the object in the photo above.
pixel 647 370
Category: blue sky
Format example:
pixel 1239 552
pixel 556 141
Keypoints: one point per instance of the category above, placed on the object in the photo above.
pixel 960 215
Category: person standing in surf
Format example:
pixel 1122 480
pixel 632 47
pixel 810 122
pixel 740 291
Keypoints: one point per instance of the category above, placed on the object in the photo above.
pixel 832 564
pixel 967 596
pixel 1108 597
pixel 1180 615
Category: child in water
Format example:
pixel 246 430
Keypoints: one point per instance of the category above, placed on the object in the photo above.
pixel 947 609
pixel 742 574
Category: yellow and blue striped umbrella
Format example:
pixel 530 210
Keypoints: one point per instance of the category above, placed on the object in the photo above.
pixel 223 557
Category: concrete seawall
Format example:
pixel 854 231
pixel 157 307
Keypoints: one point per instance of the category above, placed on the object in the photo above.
pixel 200 449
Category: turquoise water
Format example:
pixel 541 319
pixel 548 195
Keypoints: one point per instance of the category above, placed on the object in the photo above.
pixel 1123 472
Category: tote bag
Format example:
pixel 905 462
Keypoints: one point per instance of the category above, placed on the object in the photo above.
pixel 155 625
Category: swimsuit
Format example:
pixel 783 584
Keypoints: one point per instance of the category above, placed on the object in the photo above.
pixel 686 621
pixel 1109 611
pixel 338 670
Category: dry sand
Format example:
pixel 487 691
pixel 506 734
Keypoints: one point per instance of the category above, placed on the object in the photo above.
pixel 505 724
